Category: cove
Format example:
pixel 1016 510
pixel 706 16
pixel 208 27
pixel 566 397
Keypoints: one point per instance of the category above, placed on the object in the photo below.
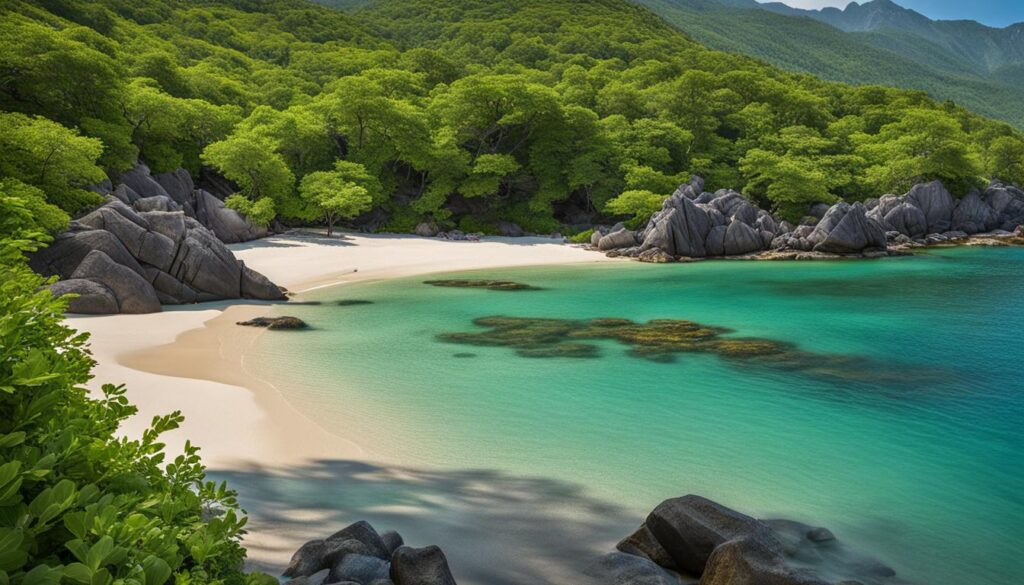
pixel 923 470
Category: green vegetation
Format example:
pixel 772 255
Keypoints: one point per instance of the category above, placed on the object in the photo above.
pixel 80 504
pixel 465 113
pixel 961 61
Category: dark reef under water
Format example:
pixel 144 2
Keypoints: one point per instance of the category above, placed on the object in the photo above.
pixel 663 340
pixel 506 285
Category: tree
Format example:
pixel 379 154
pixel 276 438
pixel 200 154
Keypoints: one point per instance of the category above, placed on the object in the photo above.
pixel 637 203
pixel 923 145
pixel 337 194
pixel 251 161
pixel 57 160
pixel 1006 160
pixel 791 184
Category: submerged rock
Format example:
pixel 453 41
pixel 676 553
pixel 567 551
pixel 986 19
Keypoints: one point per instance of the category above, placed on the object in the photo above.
pixel 662 340
pixel 420 566
pixel 624 569
pixel 487 284
pixel 275 323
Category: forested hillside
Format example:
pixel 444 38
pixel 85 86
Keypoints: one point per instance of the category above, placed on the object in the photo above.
pixel 961 61
pixel 463 112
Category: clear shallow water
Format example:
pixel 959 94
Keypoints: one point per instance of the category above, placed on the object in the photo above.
pixel 925 470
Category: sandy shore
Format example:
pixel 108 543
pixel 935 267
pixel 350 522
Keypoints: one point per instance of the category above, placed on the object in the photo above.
pixel 192 358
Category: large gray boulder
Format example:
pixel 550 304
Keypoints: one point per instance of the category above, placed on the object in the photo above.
pixel 740 238
pixel 141 181
pixel 734 206
pixel 92 297
pixel 846 229
pixel 906 219
pixel 359 568
pixel 691 527
pixel 178 259
pixel 680 228
pixel 125 194
pixel 156 203
pixel 625 569
pixel 227 224
pixel 132 292
pixel 308 560
pixel 714 245
pixel 69 248
pixel 754 560
pixel 420 566
pixel 972 215
pixel 936 203
pixel 691 190
pixel 643 543
pixel 178 185
pixel 1008 203
pixel 622 238
pixel 363 532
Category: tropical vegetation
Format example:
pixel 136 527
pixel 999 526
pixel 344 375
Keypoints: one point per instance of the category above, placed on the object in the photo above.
pixel 463 112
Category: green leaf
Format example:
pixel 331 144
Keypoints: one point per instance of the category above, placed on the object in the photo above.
pixel 79 573
pixel 98 553
pixel 156 569
pixel 43 575
pixel 12 439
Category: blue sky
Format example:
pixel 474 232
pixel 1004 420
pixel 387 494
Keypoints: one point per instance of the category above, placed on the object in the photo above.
pixel 990 12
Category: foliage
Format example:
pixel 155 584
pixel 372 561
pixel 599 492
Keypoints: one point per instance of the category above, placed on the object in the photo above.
pixel 58 161
pixel 582 237
pixel 636 203
pixel 78 502
pixel 467 111
pixel 338 194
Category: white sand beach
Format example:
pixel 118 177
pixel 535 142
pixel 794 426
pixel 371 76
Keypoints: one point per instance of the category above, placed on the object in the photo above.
pixel 192 358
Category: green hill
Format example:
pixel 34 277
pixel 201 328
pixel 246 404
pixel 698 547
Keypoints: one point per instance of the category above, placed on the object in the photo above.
pixel 875 43
pixel 466 113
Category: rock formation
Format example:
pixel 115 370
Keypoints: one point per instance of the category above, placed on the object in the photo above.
pixel 119 260
pixel 695 224
pixel 689 540
pixel 175 191
pixel 358 554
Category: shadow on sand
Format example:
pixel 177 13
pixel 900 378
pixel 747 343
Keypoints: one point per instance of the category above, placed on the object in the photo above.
pixel 496 529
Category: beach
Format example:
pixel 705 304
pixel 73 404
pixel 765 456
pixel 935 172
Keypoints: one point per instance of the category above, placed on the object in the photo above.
pixel 192 358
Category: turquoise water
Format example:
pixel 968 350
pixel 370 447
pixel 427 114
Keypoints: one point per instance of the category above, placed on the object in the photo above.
pixel 924 469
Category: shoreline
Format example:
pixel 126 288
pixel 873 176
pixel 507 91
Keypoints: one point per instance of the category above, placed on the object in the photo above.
pixel 192 358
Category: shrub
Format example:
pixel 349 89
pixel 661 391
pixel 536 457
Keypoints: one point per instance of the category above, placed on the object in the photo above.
pixel 78 503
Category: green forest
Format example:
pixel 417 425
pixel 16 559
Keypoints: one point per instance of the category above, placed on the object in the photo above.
pixel 546 114
pixel 895 56
pixel 550 114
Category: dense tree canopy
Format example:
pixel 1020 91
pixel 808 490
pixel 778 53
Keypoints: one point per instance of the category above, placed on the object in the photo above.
pixel 465 112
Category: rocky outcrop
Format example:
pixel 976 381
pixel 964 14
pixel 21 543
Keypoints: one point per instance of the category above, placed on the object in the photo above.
pixel 695 224
pixel 929 214
pixel 137 261
pixel 175 191
pixel 684 541
pixel 358 554
pixel 846 229
pixel 621 238
pixel 692 539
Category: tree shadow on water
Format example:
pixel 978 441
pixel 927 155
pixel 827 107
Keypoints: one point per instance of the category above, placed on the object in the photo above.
pixel 495 528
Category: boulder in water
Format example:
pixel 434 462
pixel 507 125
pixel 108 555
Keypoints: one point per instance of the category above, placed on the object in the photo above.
pixel 420 566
